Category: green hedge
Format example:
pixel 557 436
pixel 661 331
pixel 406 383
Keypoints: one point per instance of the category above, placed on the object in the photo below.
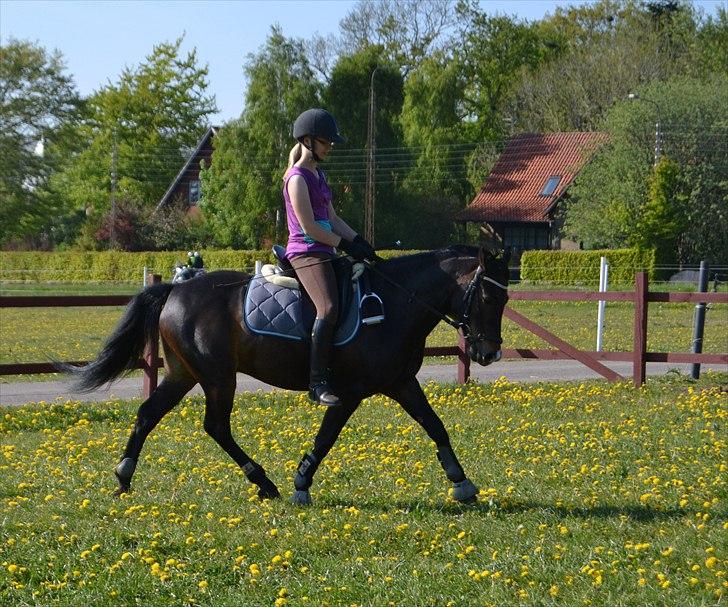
pixel 582 267
pixel 118 266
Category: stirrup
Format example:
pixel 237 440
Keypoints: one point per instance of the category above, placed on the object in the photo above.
pixel 375 313
pixel 321 391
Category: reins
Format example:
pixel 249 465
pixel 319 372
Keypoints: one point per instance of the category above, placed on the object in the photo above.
pixel 458 325
pixel 412 296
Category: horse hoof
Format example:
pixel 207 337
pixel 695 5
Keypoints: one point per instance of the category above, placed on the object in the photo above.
pixel 269 493
pixel 301 498
pixel 121 490
pixel 465 492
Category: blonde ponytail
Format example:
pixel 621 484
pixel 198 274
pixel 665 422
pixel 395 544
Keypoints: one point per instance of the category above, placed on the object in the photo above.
pixel 295 155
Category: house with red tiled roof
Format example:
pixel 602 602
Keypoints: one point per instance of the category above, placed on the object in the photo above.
pixel 522 191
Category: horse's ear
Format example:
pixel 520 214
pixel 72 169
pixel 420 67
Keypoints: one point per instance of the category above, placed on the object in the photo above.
pixel 491 238
pixel 483 256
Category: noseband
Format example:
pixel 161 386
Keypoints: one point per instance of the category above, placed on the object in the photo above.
pixel 463 323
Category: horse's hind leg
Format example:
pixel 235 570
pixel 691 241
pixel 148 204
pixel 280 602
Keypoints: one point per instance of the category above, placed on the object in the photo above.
pixel 334 420
pixel 166 396
pixel 217 424
pixel 409 394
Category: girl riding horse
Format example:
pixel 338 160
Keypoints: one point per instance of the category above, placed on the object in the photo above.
pixel 314 231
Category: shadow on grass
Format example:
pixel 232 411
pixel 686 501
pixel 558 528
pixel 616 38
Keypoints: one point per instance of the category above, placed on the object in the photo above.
pixel 634 512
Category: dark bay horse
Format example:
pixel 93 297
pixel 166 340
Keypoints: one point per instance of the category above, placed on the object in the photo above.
pixel 205 341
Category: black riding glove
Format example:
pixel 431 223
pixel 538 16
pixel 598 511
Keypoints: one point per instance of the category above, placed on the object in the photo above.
pixel 354 249
pixel 371 253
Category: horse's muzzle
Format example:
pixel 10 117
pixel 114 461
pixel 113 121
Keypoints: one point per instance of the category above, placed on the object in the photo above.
pixel 483 354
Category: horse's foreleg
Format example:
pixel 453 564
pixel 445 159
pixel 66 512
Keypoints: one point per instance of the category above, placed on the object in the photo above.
pixel 162 401
pixel 217 425
pixel 409 394
pixel 334 420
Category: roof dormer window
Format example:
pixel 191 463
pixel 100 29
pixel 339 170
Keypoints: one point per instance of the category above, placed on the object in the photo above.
pixel 551 185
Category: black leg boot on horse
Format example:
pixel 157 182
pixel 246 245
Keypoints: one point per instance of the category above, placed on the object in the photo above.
pixel 322 343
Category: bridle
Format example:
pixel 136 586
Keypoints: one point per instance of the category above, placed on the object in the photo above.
pixel 463 324
pixel 460 324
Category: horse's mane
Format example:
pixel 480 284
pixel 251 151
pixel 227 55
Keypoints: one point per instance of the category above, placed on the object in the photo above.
pixel 417 259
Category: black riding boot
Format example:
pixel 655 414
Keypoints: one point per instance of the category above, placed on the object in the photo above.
pixel 322 337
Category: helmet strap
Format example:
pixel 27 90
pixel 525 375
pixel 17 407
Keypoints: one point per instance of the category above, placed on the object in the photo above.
pixel 311 149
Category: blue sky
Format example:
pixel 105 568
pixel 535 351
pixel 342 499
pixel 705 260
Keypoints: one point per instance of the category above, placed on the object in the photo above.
pixel 98 38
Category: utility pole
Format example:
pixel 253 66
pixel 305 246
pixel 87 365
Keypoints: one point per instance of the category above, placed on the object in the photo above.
pixel 282 160
pixel 371 171
pixel 112 234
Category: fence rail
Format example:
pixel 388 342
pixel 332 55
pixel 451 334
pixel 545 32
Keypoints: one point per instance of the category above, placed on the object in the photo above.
pixel 639 356
pixel 63 301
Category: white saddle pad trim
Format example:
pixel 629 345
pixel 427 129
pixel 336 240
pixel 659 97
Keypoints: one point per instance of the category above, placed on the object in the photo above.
pixel 269 272
pixel 272 274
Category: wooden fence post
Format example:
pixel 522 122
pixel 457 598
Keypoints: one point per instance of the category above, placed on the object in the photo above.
pixel 640 329
pixel 151 354
pixel 463 360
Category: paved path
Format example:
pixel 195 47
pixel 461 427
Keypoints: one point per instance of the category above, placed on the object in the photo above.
pixel 516 371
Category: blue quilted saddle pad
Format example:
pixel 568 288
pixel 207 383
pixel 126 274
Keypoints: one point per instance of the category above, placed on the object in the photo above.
pixel 278 311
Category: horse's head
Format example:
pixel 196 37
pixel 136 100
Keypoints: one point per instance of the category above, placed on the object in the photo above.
pixel 479 301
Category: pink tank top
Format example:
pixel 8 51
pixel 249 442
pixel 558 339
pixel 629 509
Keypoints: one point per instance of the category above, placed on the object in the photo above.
pixel 300 243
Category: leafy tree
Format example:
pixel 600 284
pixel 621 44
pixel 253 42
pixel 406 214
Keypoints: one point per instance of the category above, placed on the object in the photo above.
pixel 601 52
pixel 663 214
pixel 38 102
pixel 141 128
pixel 434 129
pixel 242 188
pixel 432 124
pixel 711 44
pixel 347 97
pixel 406 31
pixel 610 201
pixel 493 52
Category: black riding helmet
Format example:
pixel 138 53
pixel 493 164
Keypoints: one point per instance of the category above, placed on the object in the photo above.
pixel 317 123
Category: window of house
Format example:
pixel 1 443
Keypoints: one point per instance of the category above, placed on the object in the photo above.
pixel 526 238
pixel 551 185
pixel 194 192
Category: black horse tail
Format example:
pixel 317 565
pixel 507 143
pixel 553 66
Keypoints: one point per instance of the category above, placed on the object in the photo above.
pixel 126 344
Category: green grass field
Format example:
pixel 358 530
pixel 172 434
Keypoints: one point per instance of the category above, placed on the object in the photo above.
pixel 590 494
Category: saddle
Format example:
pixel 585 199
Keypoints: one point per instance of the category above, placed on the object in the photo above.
pixel 276 305
pixel 185 273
